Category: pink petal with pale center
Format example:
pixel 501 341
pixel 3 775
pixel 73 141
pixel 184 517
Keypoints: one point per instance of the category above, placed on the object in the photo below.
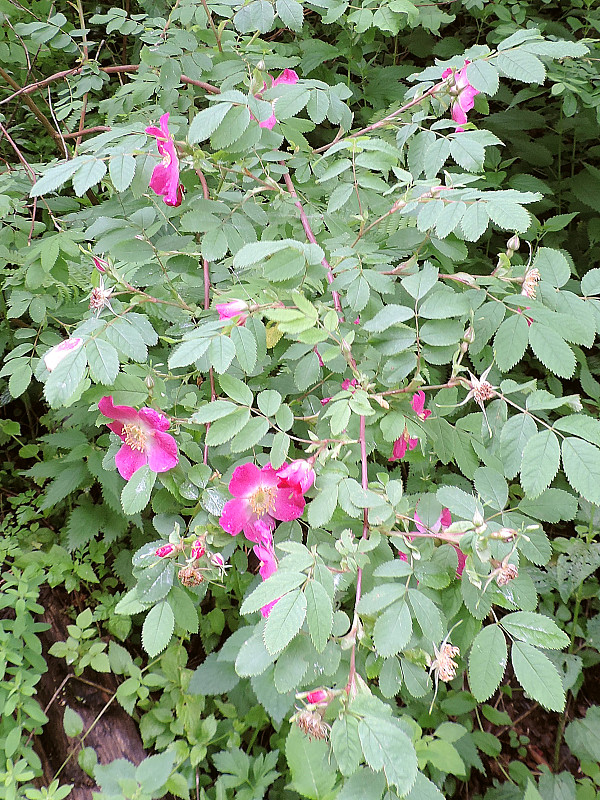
pixel 129 461
pixel 161 449
pixel 289 505
pixel 246 479
pixel 154 420
pixel 287 76
pixel 119 413
pixel 235 515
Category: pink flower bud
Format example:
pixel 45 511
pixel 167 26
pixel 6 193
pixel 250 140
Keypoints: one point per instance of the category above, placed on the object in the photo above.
pixel 60 351
pixel 217 560
pixel 197 549
pixel 318 696
pixel 100 263
pixel 165 550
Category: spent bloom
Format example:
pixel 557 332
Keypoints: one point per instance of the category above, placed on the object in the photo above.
pixel 100 298
pixel 530 282
pixel 480 390
pixel 232 309
pixel 56 354
pixel 287 76
pixel 506 573
pixel 444 665
pixel 165 176
pixel 258 501
pixel 298 475
pixel 418 405
pixel 190 576
pixel 144 439
pixel 311 723
pixel 401 445
pixel 463 95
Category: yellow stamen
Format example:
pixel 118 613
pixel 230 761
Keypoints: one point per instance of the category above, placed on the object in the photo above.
pixel 263 500
pixel 134 436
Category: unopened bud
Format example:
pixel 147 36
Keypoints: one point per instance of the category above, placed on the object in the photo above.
pixel 469 335
pixel 217 560
pixel 261 65
pixel 513 243
pixel 478 519
pixel 319 697
pixel 197 550
pixel 165 550
pixel 149 381
pixel 505 534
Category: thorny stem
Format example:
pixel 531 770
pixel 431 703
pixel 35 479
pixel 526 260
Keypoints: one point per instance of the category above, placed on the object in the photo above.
pixel 365 484
pixel 390 117
pixel 311 237
pixel 211 22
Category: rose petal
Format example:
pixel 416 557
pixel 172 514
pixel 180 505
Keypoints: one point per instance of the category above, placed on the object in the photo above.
pixel 289 505
pixel 245 480
pixel 119 413
pixel 235 516
pixel 129 461
pixel 154 420
pixel 162 452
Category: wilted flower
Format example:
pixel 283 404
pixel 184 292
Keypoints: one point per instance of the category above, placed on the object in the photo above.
pixel 258 498
pixel 463 93
pixel 506 573
pixel 418 405
pixel 444 666
pixel 311 723
pixel 56 354
pixel 165 177
pixel 144 439
pixel 232 309
pixel 287 76
pixel 401 445
pixel 530 282
pixel 190 576
pixel 100 298
pixel 297 475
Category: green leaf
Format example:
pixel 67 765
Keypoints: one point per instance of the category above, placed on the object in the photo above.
pixel 226 428
pixel 236 389
pixel 511 341
pixel 510 216
pixel 364 785
pixel 65 378
pixel 291 14
pixel 313 776
pixel 214 244
pixel 321 508
pixel 231 128
pixel 213 677
pixel 419 284
pixel 389 315
pixel 88 174
pixel 535 629
pixel 207 121
pixel 552 350
pixel 590 283
pixel 581 462
pixel 291 666
pixel 136 492
pixel 521 65
pixel 245 348
pixel 279 449
pixel 318 104
pixel 158 628
pixel 55 177
pixel 553 266
pixel 269 401
pixel 253 658
pixel 538 676
pixel 515 434
pixel 467 153
pixel 121 169
pixel 424 789
pixel 103 360
pixel 427 614
pixel 72 722
pixel 346 744
pixel 487 662
pixel 416 679
pixel 256 16
pixel 153 772
pixel 475 221
pixel 382 741
pixel 541 458
pixel 284 621
pixel 393 629
pixel 483 76
pixel 220 353
pixel 188 352
pixel 319 614
pixel 551 506
pixel 583 735
pixel 380 597
pixel 277 585
pixel 491 487
pixel 250 435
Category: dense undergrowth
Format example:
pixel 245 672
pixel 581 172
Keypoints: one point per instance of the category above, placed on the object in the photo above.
pixel 330 274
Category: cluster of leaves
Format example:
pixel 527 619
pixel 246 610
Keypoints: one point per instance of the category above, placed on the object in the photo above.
pixel 368 238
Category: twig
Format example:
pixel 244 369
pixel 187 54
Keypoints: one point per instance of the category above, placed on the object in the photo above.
pixel 56 77
pixel 208 87
pixel 311 237
pixel 211 22
pixel 85 131
pixel 385 120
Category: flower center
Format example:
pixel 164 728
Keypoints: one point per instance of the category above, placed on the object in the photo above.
pixel 134 436
pixel 485 391
pixel 263 500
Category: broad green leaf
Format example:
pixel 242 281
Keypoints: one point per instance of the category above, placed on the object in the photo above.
pixel 583 735
pixel 250 435
pixel 459 502
pixel 231 128
pixel 291 14
pixel 590 283
pixel 158 628
pixel 510 216
pixel 213 677
pixel 393 629
pixel 213 411
pixel 483 76
pixel 551 506
pixel 220 353
pixel 419 284
pixel 279 449
pixel 55 177
pixel 492 487
pixel 284 621
pixel 521 65
pixel 207 121
pixel 253 658
pixel 541 458
pixel 214 244
pixel 103 361
pixel 581 462
pixel 427 614
pixel 382 741
pixel 274 587
pixel 245 348
pixel 416 679
pixel 552 350
pixel 538 676
pixel 65 378
pixel 153 772
pixel 487 662
pixel 236 389
pixel 188 352
pixel 136 493
pixel 510 341
pixel 291 666
pixel 319 614
pixel 256 16
pixel 321 508
pixel 313 776
pixel 72 722
pixel 535 629
pixel 388 316
pixel 424 789
pixel 475 221
pixel 515 434
pixel 553 266
pixel 467 153
pixel 364 785
pixel 88 174
pixel 381 596
pixel 346 744
pixel 121 169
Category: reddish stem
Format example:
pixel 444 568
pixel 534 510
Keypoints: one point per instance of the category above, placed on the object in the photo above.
pixel 311 237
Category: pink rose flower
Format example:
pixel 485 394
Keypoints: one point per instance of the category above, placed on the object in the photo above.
pixel 232 309
pixel 144 439
pixel 418 405
pixel 57 353
pixel 464 95
pixel 298 476
pixel 349 385
pixel 258 502
pixel 401 445
pixel 287 76
pixel 165 177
